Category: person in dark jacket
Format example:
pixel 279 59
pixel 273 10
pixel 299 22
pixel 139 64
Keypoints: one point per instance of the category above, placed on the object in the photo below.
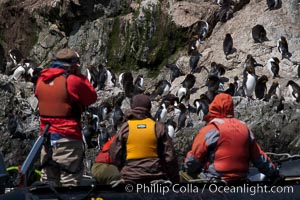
pixel 223 148
pixel 143 150
pixel 62 93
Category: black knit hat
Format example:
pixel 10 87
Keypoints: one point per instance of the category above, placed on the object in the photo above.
pixel 141 100
pixel 68 55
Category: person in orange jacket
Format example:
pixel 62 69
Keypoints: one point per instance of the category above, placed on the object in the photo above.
pixel 63 93
pixel 103 170
pixel 223 148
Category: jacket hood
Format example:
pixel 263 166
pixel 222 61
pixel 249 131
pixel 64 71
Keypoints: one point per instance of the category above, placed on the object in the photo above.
pixel 220 107
pixel 138 113
pixel 55 69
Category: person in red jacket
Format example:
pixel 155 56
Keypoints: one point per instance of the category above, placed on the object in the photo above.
pixel 223 148
pixel 62 93
pixel 103 170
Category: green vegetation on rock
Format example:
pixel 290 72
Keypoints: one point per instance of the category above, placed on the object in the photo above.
pixel 148 42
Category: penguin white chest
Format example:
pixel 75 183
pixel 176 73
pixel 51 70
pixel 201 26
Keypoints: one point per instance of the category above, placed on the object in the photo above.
pixel 166 90
pixel 108 81
pixel 201 115
pixel 18 72
pixel 181 94
pixel 89 76
pixel 163 114
pixel 171 131
pixel 250 84
pixel 294 97
pixel 141 83
pixel 269 67
pixel 121 80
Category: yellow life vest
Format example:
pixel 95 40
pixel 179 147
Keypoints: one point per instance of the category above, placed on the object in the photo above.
pixel 141 141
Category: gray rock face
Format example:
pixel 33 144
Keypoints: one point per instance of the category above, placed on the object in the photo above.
pixel 275 131
pixel 19 121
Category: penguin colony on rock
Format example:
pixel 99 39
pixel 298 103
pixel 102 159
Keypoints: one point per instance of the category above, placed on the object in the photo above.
pixel 175 109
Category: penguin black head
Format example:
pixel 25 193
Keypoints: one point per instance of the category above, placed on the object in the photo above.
pixel 212 83
pixel 250 69
pixel 203 96
pixel 189 81
pixel 231 89
pixel 212 79
pixel 290 82
pixel 249 61
pixel 283 39
pixel 182 107
pixel 275 83
pixel 276 60
pixel 263 79
pixel 228 35
pixel 249 57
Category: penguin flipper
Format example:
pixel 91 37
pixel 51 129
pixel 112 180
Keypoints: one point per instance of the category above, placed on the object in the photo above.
pixel 258 65
pixel 192 109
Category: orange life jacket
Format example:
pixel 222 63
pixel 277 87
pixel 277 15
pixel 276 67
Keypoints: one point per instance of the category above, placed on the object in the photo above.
pixel 141 141
pixel 104 156
pixel 53 98
pixel 232 153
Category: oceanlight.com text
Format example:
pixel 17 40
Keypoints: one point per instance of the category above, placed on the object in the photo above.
pixel 250 189
pixel 211 188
